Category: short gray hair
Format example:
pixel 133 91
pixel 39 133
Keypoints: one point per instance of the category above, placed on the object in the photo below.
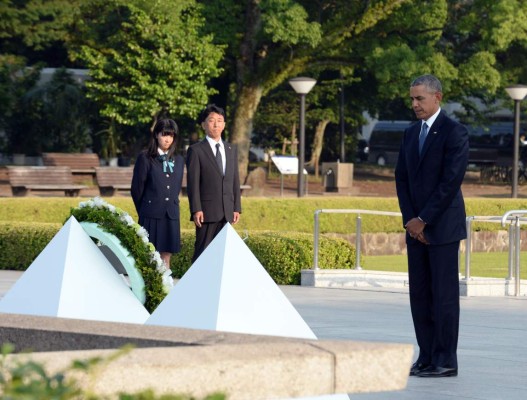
pixel 430 82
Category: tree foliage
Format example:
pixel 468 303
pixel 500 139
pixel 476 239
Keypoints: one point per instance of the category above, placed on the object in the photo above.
pixel 146 59
pixel 36 30
pixel 15 82
pixel 380 45
pixel 51 117
pixel 158 57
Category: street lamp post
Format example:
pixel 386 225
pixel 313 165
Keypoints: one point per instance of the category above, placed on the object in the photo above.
pixel 342 126
pixel 517 93
pixel 302 86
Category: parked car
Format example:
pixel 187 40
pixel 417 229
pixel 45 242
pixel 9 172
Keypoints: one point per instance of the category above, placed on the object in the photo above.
pixel 488 145
pixel 491 145
pixel 385 141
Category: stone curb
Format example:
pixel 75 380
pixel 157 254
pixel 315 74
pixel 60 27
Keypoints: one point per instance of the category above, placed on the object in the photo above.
pixel 196 362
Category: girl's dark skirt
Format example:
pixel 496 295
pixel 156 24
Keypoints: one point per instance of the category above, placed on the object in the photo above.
pixel 163 233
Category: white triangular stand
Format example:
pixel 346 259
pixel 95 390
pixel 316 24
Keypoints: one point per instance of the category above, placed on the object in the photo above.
pixel 227 289
pixel 71 278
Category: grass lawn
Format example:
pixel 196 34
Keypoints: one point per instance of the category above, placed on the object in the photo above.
pixel 493 265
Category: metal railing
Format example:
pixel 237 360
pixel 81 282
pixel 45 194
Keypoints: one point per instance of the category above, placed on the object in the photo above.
pixel 357 229
pixel 513 216
pixel 514 244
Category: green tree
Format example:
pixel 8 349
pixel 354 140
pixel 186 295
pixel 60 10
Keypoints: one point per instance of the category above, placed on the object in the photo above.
pixel 278 113
pixel 37 30
pixel 146 58
pixel 15 82
pixel 381 44
pixel 278 39
pixel 56 117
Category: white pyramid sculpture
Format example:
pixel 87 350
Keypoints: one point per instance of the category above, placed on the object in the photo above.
pixel 227 289
pixel 71 278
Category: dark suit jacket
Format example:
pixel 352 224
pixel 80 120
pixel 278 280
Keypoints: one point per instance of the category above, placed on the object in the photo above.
pixel 154 192
pixel 208 190
pixel 429 185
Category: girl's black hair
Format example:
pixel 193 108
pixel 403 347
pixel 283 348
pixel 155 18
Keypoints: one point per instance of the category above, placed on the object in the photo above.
pixel 163 126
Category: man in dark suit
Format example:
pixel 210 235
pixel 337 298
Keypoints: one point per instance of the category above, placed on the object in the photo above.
pixel 213 183
pixel 429 172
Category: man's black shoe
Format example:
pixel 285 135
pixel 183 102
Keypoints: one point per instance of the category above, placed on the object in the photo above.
pixel 417 367
pixel 436 372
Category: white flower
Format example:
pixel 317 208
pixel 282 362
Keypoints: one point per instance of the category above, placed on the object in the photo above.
pixel 98 202
pixel 110 208
pixel 141 232
pixel 127 219
pixel 160 265
pixel 168 282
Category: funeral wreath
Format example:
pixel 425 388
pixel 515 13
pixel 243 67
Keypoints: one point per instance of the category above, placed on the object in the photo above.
pixel 134 238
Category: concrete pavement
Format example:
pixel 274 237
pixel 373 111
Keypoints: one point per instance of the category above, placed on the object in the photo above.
pixel 492 345
pixel 492 350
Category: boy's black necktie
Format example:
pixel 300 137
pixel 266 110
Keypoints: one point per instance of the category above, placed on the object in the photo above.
pixel 218 158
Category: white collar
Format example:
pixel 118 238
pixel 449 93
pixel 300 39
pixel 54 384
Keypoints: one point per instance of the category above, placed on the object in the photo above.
pixel 213 143
pixel 430 121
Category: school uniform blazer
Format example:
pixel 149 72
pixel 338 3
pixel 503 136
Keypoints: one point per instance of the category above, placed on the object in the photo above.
pixel 429 185
pixel 156 193
pixel 208 190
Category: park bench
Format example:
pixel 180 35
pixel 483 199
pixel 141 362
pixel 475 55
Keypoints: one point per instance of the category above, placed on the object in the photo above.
pixel 245 188
pixel 112 179
pixel 79 163
pixel 4 175
pixel 82 165
pixel 26 179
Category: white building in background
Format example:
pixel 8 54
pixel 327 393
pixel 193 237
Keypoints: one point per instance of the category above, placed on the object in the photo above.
pixel 79 75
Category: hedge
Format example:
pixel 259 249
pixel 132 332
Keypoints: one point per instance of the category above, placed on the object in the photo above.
pixel 276 214
pixel 283 255
pixel 21 243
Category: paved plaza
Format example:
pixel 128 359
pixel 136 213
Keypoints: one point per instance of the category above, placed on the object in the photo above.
pixel 492 351
pixel 492 345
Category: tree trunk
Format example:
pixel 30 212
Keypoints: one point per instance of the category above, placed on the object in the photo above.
pixel 247 102
pixel 318 142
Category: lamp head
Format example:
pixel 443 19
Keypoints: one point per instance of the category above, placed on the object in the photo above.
pixel 302 85
pixel 517 92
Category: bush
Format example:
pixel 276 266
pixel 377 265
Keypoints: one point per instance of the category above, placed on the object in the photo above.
pixel 21 243
pixel 283 255
pixel 282 215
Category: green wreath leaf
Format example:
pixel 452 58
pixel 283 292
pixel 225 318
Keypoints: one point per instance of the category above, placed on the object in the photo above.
pixel 157 277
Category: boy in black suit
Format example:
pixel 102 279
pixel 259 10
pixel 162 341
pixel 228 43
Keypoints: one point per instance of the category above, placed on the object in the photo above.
pixel 213 183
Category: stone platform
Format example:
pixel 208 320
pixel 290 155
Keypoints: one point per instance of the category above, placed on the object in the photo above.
pixel 198 363
pixel 379 280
